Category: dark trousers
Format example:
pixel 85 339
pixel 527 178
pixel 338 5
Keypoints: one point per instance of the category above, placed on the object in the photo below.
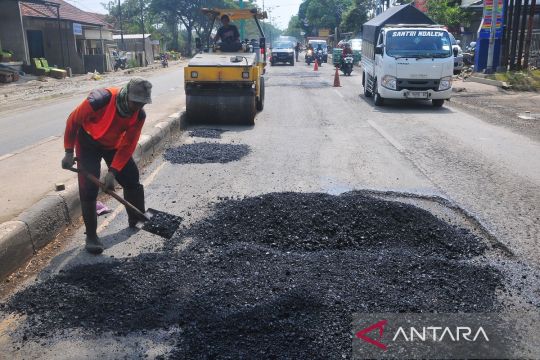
pixel 89 155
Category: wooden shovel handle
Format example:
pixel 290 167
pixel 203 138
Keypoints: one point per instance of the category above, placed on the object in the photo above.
pixel 96 181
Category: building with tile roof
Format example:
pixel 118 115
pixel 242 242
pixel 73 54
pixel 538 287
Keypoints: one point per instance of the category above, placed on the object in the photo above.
pixel 58 31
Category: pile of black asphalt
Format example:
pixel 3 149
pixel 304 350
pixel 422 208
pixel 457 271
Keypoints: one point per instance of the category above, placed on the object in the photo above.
pixel 207 133
pixel 277 276
pixel 203 153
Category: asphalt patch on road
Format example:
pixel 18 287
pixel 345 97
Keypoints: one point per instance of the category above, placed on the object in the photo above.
pixel 203 153
pixel 276 276
pixel 207 133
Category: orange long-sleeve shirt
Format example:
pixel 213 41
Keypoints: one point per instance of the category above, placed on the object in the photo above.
pixel 98 117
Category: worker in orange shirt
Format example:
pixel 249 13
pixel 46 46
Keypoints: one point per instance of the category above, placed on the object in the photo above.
pixel 107 125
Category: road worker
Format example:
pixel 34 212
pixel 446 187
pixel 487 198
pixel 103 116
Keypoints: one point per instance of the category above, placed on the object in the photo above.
pixel 107 125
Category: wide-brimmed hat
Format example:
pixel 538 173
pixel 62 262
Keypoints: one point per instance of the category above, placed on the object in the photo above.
pixel 140 90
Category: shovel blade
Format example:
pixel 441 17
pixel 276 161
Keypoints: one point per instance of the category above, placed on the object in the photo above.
pixel 161 223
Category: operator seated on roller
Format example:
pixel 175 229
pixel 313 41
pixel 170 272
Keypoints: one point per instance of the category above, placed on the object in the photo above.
pixel 107 125
pixel 229 36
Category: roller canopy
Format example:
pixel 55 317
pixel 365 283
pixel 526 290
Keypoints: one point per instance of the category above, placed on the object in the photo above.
pixel 235 14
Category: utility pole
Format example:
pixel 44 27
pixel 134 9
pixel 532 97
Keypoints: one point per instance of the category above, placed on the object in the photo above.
pixel 515 31
pixel 142 24
pixel 529 34
pixel 121 27
pixel 242 22
pixel 522 35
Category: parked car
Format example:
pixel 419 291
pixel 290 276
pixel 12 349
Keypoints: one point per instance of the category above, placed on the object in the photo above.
pixel 458 60
pixel 282 51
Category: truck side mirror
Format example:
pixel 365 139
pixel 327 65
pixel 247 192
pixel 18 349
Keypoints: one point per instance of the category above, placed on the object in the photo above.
pixel 455 52
pixel 198 44
pixel 379 49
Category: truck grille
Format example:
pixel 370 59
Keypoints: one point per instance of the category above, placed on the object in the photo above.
pixel 423 84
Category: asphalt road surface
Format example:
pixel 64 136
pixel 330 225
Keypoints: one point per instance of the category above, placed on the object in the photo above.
pixel 45 119
pixel 283 241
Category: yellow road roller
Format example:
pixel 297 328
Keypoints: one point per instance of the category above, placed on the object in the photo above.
pixel 226 87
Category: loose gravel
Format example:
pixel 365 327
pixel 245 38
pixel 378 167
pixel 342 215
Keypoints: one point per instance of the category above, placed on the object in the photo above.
pixel 162 224
pixel 274 277
pixel 207 133
pixel 292 221
pixel 203 153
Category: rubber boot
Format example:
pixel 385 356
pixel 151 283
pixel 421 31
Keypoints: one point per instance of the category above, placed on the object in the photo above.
pixel 135 196
pixel 93 243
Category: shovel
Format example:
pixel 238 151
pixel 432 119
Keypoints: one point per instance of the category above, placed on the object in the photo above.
pixel 154 221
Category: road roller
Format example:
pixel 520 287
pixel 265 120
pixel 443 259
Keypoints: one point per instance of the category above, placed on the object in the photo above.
pixel 226 87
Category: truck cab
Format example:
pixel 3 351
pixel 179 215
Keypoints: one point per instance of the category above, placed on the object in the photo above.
pixel 406 61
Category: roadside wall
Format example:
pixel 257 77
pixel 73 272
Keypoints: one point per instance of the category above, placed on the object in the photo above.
pixel 12 35
pixel 61 52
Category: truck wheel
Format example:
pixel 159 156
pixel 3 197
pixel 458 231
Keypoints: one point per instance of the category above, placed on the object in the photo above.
pixel 260 100
pixel 378 100
pixel 437 102
pixel 367 93
pixel 292 62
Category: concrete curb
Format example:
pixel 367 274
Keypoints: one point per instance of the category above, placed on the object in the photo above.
pixel 482 80
pixel 37 226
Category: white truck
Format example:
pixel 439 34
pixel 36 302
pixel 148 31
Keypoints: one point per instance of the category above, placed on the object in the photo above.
pixel 406 56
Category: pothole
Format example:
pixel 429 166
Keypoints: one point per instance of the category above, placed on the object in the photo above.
pixel 203 153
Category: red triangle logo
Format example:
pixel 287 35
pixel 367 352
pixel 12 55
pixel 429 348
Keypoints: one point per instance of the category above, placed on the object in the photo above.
pixel 380 325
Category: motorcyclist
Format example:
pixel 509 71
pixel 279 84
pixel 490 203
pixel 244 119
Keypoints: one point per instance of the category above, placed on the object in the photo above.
pixel 319 48
pixel 346 50
pixel 309 52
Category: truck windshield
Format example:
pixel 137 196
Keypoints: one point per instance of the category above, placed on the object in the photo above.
pixel 418 43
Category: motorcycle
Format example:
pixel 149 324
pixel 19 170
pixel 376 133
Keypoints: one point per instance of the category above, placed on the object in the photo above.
pixel 469 53
pixel 120 62
pixel 309 56
pixel 164 61
pixel 346 64
pixel 319 56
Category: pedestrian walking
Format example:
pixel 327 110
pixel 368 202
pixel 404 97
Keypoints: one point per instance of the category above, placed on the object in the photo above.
pixel 297 50
pixel 107 125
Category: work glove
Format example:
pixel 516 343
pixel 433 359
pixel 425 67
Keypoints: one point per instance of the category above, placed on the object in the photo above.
pixel 68 161
pixel 109 181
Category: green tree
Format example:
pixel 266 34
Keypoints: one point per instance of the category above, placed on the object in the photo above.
pixel 447 13
pixel 356 15
pixel 319 14
pixel 294 28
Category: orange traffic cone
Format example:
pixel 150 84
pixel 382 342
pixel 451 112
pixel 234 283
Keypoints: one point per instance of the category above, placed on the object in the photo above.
pixel 336 79
pixel 316 66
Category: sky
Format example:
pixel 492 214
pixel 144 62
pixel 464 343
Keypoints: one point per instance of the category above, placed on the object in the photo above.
pixel 280 10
